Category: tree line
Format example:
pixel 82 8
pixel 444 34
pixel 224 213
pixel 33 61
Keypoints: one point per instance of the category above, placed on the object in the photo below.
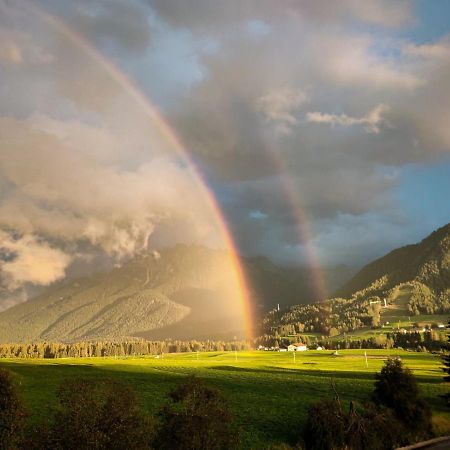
pixel 428 340
pixel 115 349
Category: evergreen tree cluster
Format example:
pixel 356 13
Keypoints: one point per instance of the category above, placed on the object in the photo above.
pixel 115 349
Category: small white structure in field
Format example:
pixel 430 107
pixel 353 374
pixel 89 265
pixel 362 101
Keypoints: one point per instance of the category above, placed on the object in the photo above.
pixel 319 348
pixel 297 347
pixel 441 325
pixel 283 350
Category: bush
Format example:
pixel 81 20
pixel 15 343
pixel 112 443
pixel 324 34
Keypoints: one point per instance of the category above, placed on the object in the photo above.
pixel 328 427
pixel 12 413
pixel 396 388
pixel 197 417
pixel 325 427
pixel 98 415
pixel 373 428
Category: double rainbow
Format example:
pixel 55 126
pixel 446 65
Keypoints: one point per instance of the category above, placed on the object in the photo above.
pixel 169 133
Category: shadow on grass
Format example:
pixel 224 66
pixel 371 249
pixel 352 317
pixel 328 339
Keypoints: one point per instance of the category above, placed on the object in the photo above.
pixel 298 371
pixel 347 374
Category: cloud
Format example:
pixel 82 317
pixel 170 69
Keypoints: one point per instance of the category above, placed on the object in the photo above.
pixel 279 108
pixel 17 48
pixel 371 121
pixel 66 194
pixel 30 261
pixel 85 171
pixel 382 12
pixel 206 16
pixel 436 52
pixel 227 119
pixel 366 61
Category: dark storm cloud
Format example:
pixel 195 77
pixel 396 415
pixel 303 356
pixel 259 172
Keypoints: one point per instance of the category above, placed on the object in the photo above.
pixel 337 109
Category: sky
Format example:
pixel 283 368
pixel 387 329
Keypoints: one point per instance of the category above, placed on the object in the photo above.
pixel 321 128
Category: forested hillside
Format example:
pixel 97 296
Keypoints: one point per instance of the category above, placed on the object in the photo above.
pixel 187 285
pixel 408 282
pixel 423 268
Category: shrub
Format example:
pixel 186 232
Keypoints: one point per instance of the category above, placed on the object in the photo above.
pixel 12 413
pixel 99 415
pixel 396 388
pixel 197 417
pixel 328 427
pixel 325 427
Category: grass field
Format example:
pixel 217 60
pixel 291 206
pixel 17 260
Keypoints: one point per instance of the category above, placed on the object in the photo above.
pixel 268 392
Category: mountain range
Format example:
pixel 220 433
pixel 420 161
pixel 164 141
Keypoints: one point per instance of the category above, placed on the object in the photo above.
pixel 187 292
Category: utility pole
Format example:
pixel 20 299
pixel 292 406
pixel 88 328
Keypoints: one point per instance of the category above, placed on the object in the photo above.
pixel 294 356
pixel 365 355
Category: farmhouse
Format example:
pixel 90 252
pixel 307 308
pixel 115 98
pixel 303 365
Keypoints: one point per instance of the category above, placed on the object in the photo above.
pixel 300 347
pixel 297 347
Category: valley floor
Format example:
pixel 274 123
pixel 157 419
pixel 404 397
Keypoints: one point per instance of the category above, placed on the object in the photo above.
pixel 268 391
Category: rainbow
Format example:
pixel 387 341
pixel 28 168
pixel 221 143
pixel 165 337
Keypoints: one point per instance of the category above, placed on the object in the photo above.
pixel 305 237
pixel 173 139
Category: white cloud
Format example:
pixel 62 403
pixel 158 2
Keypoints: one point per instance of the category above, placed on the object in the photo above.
pixel 371 121
pixel 360 60
pixel 279 107
pixel 439 51
pixel 382 12
pixel 31 261
pixel 64 191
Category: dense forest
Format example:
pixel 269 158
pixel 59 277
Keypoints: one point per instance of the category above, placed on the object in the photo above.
pixel 115 349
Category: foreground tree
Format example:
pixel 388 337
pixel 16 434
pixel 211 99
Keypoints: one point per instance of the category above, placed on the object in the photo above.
pixel 96 414
pixel 197 417
pixel 329 427
pixel 326 426
pixel 11 413
pixel 397 389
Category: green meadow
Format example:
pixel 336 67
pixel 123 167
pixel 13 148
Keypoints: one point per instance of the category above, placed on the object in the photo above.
pixel 269 392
